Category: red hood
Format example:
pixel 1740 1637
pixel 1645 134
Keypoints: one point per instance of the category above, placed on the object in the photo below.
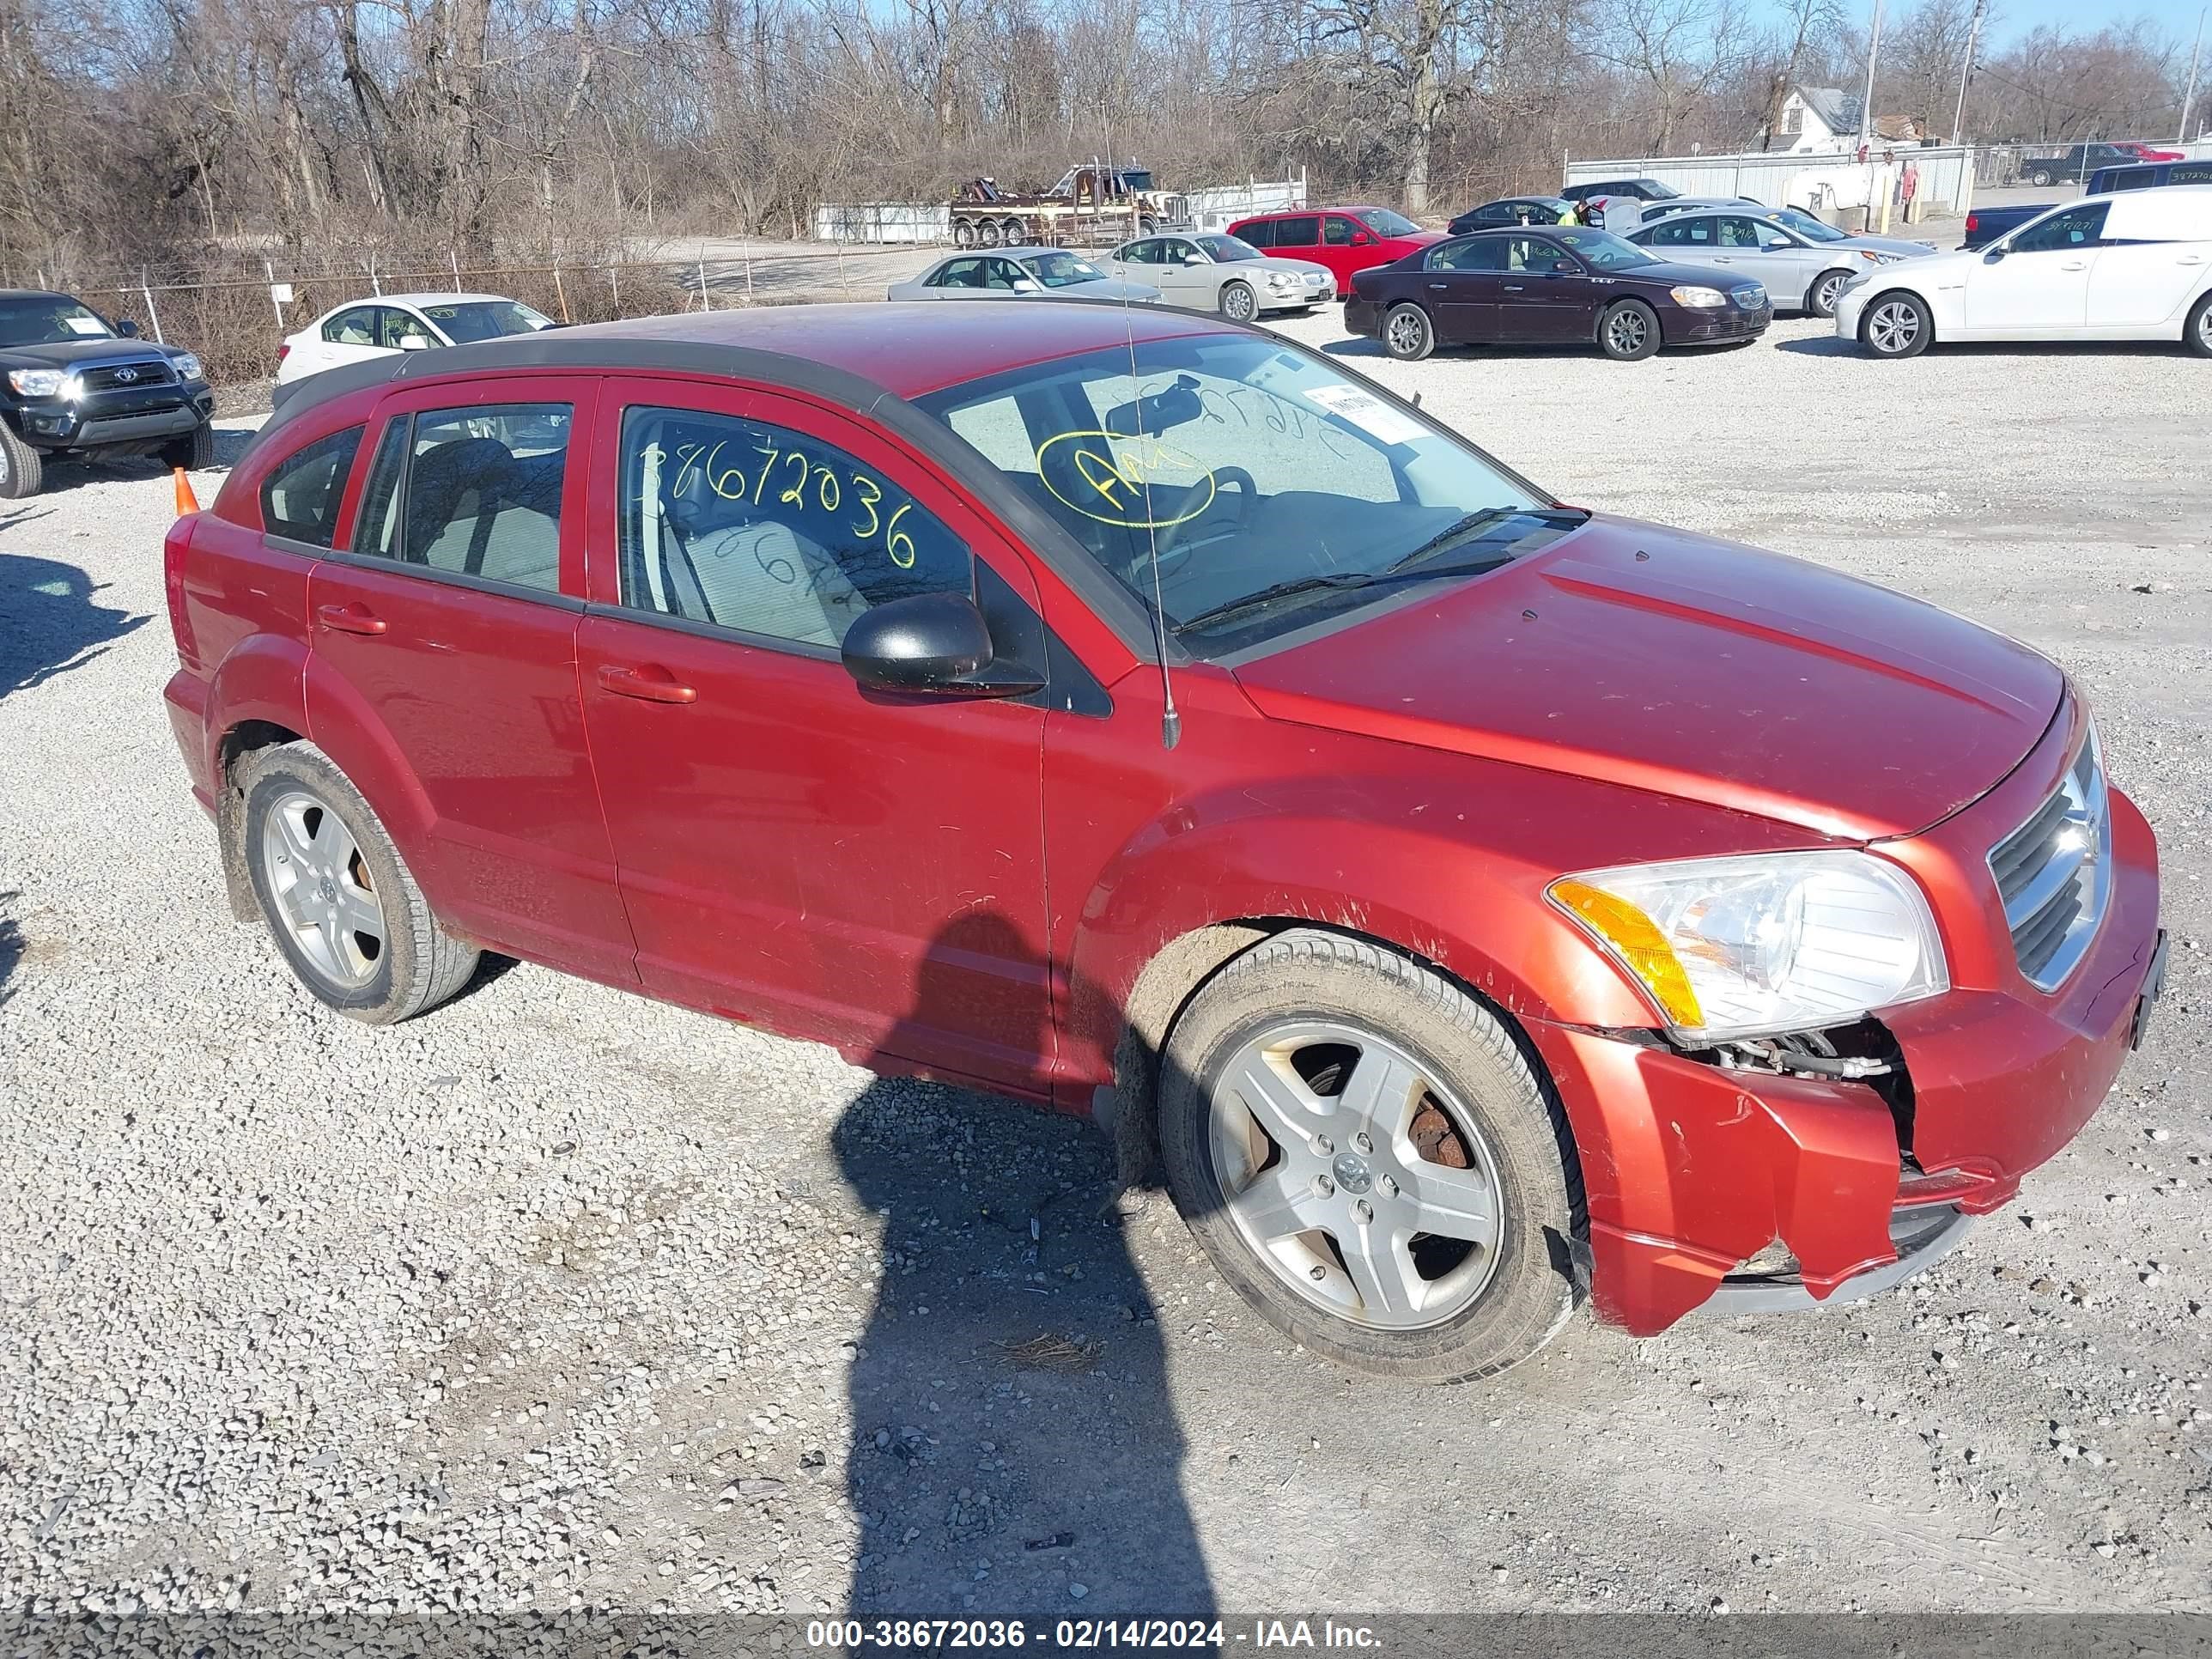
pixel 1709 670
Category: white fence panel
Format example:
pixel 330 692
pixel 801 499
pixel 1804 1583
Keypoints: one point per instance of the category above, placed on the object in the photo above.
pixel 884 221
pixel 1213 208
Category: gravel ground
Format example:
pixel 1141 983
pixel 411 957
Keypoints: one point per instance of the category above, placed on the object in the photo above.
pixel 559 1297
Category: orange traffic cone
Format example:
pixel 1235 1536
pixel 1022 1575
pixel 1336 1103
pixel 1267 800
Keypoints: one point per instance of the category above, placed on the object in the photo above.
pixel 187 501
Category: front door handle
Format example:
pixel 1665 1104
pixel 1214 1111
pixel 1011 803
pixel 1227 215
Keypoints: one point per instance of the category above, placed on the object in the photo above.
pixel 352 618
pixel 2075 264
pixel 651 683
pixel 1513 288
pixel 2190 259
pixel 1436 287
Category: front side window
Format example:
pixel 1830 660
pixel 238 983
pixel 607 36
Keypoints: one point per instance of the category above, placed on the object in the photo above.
pixel 466 320
pixel 1271 490
pixel 1737 231
pixel 2078 226
pixel 301 495
pixel 1000 275
pixel 48 319
pixel 1336 231
pixel 756 527
pixel 1538 255
pixel 1772 237
pixel 1383 222
pixel 396 327
pixel 472 492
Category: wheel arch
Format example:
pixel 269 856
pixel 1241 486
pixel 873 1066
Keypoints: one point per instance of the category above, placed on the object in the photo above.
pixel 1890 290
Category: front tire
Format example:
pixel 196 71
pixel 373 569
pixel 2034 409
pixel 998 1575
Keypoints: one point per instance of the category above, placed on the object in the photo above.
pixel 348 918
pixel 1237 303
pixel 1821 298
pixel 194 451
pixel 2038 179
pixel 1368 1157
pixel 22 469
pixel 1628 333
pixel 1896 325
pixel 2197 331
pixel 1407 334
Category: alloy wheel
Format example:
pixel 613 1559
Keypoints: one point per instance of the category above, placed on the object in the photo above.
pixel 1405 333
pixel 323 889
pixel 1355 1175
pixel 2203 332
pixel 1238 305
pixel 1830 287
pixel 1894 328
pixel 1627 330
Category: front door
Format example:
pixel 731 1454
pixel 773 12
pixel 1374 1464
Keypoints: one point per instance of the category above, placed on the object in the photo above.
pixel 2042 280
pixel 857 869
pixel 1180 280
pixel 1545 297
pixel 443 672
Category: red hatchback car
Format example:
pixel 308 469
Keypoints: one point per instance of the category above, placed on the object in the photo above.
pixel 1477 900
pixel 1345 239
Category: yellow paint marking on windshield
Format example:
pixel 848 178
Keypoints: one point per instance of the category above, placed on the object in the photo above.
pixel 1117 473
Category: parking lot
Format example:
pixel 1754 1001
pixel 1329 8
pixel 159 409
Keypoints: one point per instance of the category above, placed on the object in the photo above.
pixel 561 1298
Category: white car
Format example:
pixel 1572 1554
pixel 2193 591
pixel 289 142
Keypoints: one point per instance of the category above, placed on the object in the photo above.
pixel 2136 265
pixel 1209 272
pixel 1020 273
pixel 362 328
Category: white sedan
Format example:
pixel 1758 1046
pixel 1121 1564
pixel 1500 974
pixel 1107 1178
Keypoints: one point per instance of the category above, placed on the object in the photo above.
pixel 361 329
pixel 1209 272
pixel 2136 265
pixel 1020 273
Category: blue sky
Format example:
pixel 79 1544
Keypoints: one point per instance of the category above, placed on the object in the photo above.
pixel 2016 17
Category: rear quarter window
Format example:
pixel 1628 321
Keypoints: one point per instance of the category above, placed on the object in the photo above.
pixel 300 495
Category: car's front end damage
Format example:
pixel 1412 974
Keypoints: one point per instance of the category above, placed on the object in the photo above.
pixel 1762 1172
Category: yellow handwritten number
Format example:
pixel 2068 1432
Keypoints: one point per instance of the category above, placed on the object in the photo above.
pixel 893 536
pixel 870 492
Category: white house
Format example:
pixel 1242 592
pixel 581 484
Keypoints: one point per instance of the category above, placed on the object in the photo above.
pixel 1825 121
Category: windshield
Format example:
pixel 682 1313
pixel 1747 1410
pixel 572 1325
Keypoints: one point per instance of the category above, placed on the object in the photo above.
pixel 1227 249
pixel 1808 226
pixel 1602 250
pixel 1275 491
pixel 49 320
pixel 485 319
pixel 1383 222
pixel 1059 270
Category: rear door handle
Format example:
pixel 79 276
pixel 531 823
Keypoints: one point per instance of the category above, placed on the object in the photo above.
pixel 651 683
pixel 2190 259
pixel 352 618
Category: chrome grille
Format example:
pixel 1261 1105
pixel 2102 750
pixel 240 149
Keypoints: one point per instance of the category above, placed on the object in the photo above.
pixel 106 377
pixel 2055 873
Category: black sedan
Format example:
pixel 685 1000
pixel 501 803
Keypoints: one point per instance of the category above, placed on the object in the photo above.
pixel 1515 211
pixel 1561 286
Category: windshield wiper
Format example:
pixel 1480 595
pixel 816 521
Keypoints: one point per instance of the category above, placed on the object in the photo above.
pixel 1345 579
pixel 1455 533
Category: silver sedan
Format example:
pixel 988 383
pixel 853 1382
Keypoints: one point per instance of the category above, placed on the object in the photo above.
pixel 1020 273
pixel 1209 272
pixel 1803 272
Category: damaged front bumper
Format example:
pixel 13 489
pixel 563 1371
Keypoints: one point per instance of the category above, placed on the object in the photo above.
pixel 1747 1190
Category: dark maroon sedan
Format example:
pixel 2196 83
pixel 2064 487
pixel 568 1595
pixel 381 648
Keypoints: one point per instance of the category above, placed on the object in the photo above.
pixel 1551 285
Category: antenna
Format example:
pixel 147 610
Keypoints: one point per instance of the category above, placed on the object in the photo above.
pixel 1170 716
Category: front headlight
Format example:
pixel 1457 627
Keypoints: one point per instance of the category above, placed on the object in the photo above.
pixel 188 366
pixel 37 382
pixel 1873 258
pixel 1698 299
pixel 1766 943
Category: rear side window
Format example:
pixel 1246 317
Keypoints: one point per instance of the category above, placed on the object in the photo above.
pixel 758 528
pixel 300 495
pixel 1299 232
pixel 359 325
pixel 2131 178
pixel 1260 232
pixel 473 492
pixel 1482 253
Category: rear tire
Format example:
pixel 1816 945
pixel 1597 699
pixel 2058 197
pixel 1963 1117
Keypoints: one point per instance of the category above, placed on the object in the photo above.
pixel 1421 1102
pixel 1009 233
pixel 1821 298
pixel 987 233
pixel 1896 325
pixel 2197 331
pixel 963 233
pixel 344 910
pixel 194 451
pixel 22 469
pixel 2038 179
pixel 1628 331
pixel 1407 334
pixel 1237 303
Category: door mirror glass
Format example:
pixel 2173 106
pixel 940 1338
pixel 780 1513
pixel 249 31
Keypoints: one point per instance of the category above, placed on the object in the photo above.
pixel 126 328
pixel 1994 254
pixel 1361 239
pixel 1024 285
pixel 1194 258
pixel 414 342
pixel 924 643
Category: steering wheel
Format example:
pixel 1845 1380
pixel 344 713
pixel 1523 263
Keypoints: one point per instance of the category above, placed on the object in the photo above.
pixel 1247 502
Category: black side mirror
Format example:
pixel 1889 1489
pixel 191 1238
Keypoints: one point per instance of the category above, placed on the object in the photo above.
pixel 126 328
pixel 930 644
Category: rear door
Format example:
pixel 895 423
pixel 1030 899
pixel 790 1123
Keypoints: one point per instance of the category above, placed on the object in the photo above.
pixel 1460 287
pixel 2041 284
pixel 442 667
pixel 1298 236
pixel 2144 284
pixel 353 336
pixel 863 870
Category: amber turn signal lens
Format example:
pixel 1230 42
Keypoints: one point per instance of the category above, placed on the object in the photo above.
pixel 1636 940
